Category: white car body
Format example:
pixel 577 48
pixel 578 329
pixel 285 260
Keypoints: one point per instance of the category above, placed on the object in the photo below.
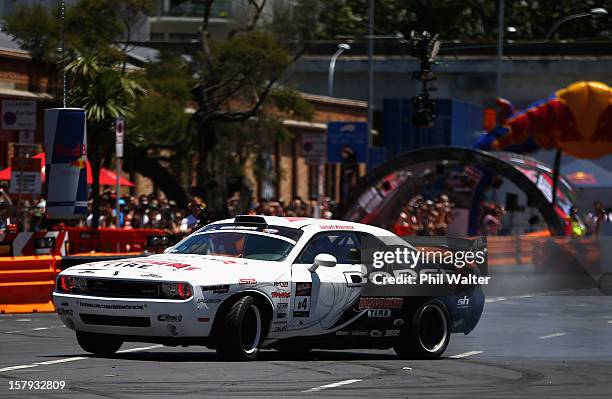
pixel 302 303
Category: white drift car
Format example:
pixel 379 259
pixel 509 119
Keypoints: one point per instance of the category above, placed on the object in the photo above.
pixel 253 282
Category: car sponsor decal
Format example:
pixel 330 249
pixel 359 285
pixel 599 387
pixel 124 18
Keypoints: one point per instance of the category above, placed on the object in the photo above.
pixel 281 294
pixel 336 227
pixel 281 284
pixel 463 302
pixel 392 333
pixel 279 326
pixel 378 313
pixel 398 322
pixel 216 289
pixel 376 333
pixel 244 281
pixel 63 311
pixel 380 303
pixel 170 317
pixel 151 275
pixel 360 333
pixel 281 315
pixel 301 303
pixel 202 300
pixel 146 263
pixel 113 307
pixel 343 332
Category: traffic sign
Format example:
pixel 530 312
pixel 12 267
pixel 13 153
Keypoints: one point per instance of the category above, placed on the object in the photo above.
pixel 25 176
pixel 119 132
pixel 314 145
pixel 347 142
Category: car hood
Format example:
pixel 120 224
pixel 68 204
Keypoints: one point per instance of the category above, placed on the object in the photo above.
pixel 196 269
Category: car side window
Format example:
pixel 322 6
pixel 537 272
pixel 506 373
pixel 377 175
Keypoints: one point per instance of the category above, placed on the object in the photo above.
pixel 343 245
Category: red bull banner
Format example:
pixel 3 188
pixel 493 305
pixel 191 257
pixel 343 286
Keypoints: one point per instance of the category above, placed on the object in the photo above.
pixel 65 164
pixel 575 119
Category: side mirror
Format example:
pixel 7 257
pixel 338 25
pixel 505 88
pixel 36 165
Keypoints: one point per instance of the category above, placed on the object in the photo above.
pixel 325 260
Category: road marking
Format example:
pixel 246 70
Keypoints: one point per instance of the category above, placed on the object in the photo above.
pixel 609 321
pixel 559 334
pixel 334 385
pixel 524 296
pixel 33 329
pixel 144 348
pixel 70 359
pixel 465 354
pixel 406 368
pixel 23 320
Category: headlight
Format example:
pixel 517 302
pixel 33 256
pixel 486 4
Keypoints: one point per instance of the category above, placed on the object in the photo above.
pixel 177 290
pixel 71 284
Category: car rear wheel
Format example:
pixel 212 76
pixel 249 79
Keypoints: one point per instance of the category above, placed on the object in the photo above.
pixel 242 330
pixel 428 335
pixel 99 344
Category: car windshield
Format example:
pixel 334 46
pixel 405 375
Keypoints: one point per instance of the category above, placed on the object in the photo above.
pixel 236 244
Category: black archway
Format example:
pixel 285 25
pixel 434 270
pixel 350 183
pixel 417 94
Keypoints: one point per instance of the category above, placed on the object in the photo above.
pixel 359 205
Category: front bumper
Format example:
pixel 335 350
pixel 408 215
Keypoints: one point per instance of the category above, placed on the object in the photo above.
pixel 134 317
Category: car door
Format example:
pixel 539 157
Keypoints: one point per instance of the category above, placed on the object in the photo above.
pixel 320 298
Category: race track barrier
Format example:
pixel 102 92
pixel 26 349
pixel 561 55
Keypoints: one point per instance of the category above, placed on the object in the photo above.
pixel 26 283
pixel 83 240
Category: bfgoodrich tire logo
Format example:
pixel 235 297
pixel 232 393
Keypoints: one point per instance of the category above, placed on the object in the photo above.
pixel 170 317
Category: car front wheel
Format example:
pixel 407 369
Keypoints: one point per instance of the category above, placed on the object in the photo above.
pixel 242 330
pixel 428 335
pixel 99 344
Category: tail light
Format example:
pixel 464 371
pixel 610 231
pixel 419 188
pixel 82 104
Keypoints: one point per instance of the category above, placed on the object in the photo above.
pixel 177 290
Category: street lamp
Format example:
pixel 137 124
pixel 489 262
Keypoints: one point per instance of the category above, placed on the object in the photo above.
pixel 592 13
pixel 342 47
pixel 557 162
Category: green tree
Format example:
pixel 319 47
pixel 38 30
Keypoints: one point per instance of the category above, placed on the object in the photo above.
pixel 106 94
pixel 239 102
pixel 453 20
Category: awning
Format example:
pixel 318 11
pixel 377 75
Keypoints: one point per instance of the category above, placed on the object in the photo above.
pixel 24 94
pixel 107 177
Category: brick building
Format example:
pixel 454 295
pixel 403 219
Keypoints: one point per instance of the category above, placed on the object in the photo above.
pixel 25 91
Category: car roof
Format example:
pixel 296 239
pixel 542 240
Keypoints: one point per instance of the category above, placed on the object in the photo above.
pixel 294 222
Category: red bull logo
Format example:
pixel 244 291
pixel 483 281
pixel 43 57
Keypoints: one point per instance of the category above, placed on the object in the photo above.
pixel 60 150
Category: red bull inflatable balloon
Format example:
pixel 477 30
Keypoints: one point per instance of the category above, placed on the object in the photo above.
pixel 577 120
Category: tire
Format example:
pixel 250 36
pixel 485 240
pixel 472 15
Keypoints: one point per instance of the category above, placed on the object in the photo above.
pixel 242 331
pixel 99 344
pixel 428 335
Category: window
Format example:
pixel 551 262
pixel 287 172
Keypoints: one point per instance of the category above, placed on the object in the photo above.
pixel 343 245
pixel 237 245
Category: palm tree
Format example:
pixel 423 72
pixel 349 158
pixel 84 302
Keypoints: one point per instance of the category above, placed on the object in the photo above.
pixel 106 93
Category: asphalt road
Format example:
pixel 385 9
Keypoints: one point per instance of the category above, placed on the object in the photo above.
pixel 543 346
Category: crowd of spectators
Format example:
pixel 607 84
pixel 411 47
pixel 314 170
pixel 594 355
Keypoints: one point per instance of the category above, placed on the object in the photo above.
pixel 424 217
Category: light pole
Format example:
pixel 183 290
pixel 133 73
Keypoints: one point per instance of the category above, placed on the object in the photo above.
pixel 557 163
pixel 500 49
pixel 342 47
pixel 593 12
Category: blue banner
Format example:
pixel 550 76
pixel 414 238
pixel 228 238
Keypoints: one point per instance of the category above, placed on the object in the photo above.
pixel 66 163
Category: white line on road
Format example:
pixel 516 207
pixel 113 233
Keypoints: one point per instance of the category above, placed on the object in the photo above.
pixel 334 385
pixel 559 334
pixel 70 359
pixel 23 320
pixel 466 354
pixel 144 348
pixel 33 329
pixel 609 321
